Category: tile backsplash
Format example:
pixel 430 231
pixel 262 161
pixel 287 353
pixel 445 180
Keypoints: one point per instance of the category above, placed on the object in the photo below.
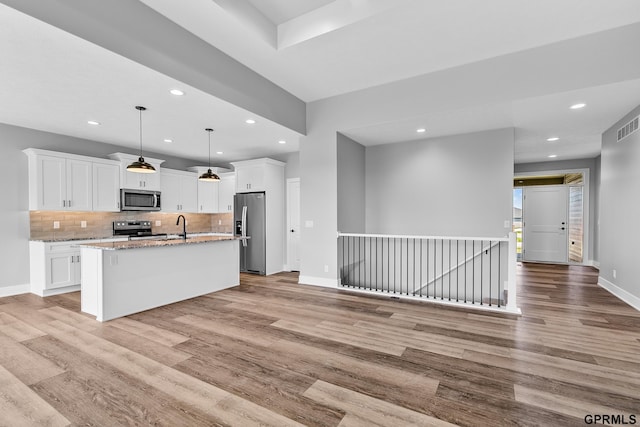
pixel 99 224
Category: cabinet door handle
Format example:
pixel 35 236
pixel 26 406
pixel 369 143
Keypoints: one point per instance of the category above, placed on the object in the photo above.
pixel 64 203
pixel 78 258
pixel 72 259
pixel 69 204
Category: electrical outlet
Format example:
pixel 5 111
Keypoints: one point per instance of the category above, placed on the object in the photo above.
pixel 219 222
pixel 308 224
pixel 507 223
pixel 615 273
pixel 83 224
pixel 158 223
pixel 56 224
pixel 326 268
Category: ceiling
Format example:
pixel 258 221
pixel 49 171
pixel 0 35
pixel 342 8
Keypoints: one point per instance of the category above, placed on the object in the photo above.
pixel 314 49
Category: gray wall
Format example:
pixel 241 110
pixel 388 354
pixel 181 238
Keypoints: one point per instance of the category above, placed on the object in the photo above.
pixel 594 190
pixel 351 185
pixel 451 186
pixel 14 203
pixel 620 208
pixel 292 169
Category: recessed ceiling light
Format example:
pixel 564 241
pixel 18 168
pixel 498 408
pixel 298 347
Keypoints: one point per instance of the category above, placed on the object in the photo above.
pixel 93 122
pixel 218 152
pixel 552 156
pixel 421 130
pixel 578 106
pixel 168 140
pixel 282 141
pixel 553 138
pixel 250 121
pixel 176 92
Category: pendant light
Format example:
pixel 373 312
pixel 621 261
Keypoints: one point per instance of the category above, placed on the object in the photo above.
pixel 141 166
pixel 208 175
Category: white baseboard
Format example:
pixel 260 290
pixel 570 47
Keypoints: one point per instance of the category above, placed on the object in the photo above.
pixel 8 291
pixel 595 264
pixel 318 281
pixel 625 296
pixel 57 291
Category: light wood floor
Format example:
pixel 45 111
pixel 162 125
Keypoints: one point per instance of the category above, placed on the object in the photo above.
pixel 272 352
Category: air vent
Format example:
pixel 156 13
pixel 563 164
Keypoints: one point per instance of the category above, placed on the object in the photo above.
pixel 628 129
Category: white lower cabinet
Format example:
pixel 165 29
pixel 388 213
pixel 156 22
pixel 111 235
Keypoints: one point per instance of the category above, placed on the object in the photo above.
pixel 62 269
pixel 56 267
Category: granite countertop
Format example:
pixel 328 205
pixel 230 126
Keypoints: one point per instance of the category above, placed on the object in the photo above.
pixel 111 237
pixel 135 244
pixel 73 239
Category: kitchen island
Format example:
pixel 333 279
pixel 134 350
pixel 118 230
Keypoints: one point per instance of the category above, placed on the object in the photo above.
pixel 122 278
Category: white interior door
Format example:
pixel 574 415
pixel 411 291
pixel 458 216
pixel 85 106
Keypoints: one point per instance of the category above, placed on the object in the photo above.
pixel 545 226
pixel 293 222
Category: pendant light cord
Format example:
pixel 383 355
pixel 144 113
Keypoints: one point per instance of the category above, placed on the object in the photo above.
pixel 140 132
pixel 209 130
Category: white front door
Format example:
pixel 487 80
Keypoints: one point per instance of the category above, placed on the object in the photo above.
pixel 293 222
pixel 545 223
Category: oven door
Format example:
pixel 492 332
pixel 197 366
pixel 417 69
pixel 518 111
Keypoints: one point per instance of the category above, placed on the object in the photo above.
pixel 139 200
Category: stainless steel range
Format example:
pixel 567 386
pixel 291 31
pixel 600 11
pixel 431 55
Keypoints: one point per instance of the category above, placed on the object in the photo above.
pixel 136 230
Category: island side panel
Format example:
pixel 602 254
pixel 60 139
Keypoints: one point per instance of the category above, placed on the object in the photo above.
pixel 91 279
pixel 135 280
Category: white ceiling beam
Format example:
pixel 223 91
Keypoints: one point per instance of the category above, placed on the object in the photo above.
pixel 247 14
pixel 333 16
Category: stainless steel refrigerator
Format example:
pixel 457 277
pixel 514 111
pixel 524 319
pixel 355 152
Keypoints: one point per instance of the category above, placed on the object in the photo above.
pixel 250 221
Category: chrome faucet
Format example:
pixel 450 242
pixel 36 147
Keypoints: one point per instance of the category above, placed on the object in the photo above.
pixel 184 226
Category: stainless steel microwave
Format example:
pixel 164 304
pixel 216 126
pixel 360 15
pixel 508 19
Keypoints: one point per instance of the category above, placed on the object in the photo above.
pixel 139 200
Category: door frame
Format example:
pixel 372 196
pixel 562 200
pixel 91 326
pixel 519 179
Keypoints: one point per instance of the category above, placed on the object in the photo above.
pixel 288 213
pixel 586 204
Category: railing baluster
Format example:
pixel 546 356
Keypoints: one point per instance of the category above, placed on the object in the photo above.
pixel 465 271
pixel 490 271
pixel 442 270
pixel 481 271
pixel 449 272
pixel 420 282
pixel 473 272
pixel 499 271
pixel 457 267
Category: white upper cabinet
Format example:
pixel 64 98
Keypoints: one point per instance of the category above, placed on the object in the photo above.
pixel 249 177
pixel 227 190
pixel 179 191
pixel 215 197
pixel 135 180
pixel 57 182
pixel 208 196
pixel 47 183
pixel 60 181
pixel 79 185
pixel 106 186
